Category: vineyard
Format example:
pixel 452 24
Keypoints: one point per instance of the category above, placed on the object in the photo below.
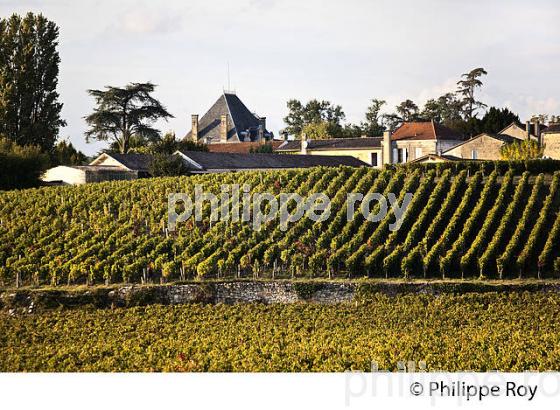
pixel 459 224
pixel 514 332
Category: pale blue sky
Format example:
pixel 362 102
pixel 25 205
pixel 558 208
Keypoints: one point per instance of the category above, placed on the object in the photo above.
pixel 345 51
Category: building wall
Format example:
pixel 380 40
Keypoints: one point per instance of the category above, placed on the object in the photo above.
pixel 66 175
pixel 487 148
pixel 109 162
pixel 117 175
pixel 424 146
pixel 516 132
pixel 431 160
pixel 551 145
pixel 362 154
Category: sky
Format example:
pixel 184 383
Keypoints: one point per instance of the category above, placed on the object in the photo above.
pixel 347 52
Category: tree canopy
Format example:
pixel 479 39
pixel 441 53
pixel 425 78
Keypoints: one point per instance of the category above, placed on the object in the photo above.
pixel 64 153
pixel 125 113
pixel 314 112
pixel 29 103
pixel 522 150
pixel 467 87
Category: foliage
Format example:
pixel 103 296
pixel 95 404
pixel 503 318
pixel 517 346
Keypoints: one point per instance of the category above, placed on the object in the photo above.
pixel 446 109
pixel 535 166
pixel 20 167
pixel 168 144
pixel 522 150
pixel 496 119
pixel 167 165
pixel 445 331
pixel 29 105
pixel 372 126
pixel 64 153
pixel 314 111
pixel 123 113
pixel 467 87
pixel 266 148
pixel 320 130
pixel 116 231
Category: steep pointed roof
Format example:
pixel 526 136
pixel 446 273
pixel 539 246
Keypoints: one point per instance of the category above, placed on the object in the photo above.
pixel 241 121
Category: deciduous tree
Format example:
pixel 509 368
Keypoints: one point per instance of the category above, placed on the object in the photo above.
pixel 29 105
pixel 314 111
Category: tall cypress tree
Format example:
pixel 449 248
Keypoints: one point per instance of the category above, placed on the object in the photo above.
pixel 29 106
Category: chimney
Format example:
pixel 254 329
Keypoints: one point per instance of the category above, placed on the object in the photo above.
pixel 262 129
pixel 303 144
pixel 194 127
pixel 387 148
pixel 223 128
pixel 528 129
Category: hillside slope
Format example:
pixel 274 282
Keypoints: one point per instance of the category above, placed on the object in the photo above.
pixel 456 225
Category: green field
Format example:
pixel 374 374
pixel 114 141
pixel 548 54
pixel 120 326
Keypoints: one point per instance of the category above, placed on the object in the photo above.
pixel 502 331
pixel 459 224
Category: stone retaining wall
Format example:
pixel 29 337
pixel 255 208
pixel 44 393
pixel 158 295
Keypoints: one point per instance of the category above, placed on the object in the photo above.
pixel 230 292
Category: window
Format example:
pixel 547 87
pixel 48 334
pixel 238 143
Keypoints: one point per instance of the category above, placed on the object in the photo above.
pixel 395 156
pixel 374 159
pixel 400 156
pixel 474 154
pixel 417 152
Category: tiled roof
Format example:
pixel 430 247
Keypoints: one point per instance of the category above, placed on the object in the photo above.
pixel 425 130
pixel 240 147
pixel 333 144
pixel 240 120
pixel 218 161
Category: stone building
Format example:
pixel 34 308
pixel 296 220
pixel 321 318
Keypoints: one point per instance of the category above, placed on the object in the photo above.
pixel 551 140
pixel 410 141
pixel 413 140
pixel 106 167
pixel 228 121
pixel 522 132
pixel 368 150
pixel 483 146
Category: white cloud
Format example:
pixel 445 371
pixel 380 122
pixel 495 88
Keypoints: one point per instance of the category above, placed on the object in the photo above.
pixel 347 52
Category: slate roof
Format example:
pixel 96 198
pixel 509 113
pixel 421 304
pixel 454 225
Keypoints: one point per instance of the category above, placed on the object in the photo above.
pixel 134 162
pixel 240 121
pixel 424 130
pixel 333 144
pixel 443 157
pixel 239 148
pixel 502 137
pixel 221 161
pixel 552 129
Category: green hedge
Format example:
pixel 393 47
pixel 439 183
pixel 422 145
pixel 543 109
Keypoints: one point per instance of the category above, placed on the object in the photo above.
pixel 519 167
pixel 20 167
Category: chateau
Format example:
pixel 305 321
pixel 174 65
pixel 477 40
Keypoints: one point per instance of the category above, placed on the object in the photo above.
pixel 228 121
